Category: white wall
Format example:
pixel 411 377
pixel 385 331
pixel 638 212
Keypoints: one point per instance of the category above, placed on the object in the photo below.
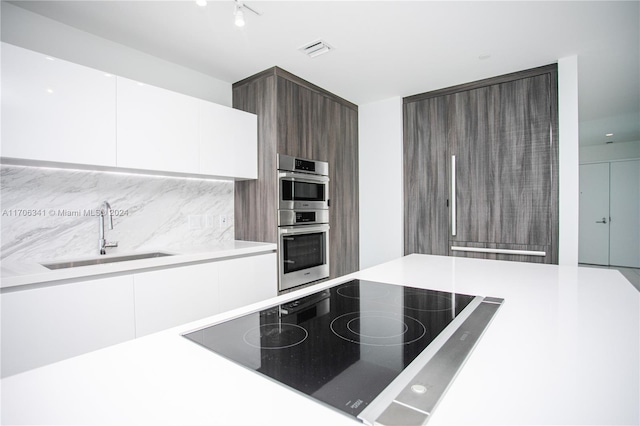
pixel 381 202
pixel 610 152
pixel 568 159
pixel 35 32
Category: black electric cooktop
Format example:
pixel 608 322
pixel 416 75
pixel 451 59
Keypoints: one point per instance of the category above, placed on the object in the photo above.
pixel 341 346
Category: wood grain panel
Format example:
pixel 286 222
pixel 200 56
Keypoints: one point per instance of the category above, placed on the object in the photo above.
pixel 343 189
pixel 255 210
pixel 425 177
pixel 546 69
pixel 302 126
pixel 300 119
pixel 503 132
pixel 501 140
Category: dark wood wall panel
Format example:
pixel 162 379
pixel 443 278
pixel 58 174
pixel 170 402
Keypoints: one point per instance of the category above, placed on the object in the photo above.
pixel 344 189
pixel 501 140
pixel 503 132
pixel 256 200
pixel 300 119
pixel 425 177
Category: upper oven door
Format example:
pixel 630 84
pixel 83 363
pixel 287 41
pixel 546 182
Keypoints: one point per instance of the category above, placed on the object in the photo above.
pixel 302 191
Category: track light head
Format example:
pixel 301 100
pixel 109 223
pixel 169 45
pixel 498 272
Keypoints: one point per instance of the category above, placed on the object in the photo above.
pixel 239 16
pixel 239 12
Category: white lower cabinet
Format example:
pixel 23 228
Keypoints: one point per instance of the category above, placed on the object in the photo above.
pixel 170 297
pixel 247 280
pixel 48 324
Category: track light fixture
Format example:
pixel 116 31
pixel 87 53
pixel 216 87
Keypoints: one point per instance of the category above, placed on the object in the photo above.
pixel 238 12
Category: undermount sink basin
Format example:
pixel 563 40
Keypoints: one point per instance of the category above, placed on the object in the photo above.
pixel 103 260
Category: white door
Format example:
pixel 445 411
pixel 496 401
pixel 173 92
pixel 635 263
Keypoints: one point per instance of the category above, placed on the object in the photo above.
pixel 625 214
pixel 593 237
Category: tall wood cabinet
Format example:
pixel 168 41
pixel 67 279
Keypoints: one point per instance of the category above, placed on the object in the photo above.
pixel 481 169
pixel 300 119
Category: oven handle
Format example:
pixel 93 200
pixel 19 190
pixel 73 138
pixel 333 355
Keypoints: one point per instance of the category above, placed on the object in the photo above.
pixel 304 177
pixel 302 229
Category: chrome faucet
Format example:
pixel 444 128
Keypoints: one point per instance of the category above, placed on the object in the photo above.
pixel 103 244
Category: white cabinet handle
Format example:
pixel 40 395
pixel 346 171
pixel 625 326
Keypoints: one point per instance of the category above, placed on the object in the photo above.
pixel 453 195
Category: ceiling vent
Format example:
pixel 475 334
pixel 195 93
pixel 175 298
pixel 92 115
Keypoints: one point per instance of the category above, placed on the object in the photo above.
pixel 315 48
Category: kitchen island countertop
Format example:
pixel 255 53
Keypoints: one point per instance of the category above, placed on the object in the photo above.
pixel 563 349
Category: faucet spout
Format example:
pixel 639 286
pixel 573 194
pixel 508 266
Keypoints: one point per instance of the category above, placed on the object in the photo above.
pixel 102 242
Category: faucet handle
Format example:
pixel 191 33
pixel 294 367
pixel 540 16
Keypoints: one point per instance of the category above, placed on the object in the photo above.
pixel 111 244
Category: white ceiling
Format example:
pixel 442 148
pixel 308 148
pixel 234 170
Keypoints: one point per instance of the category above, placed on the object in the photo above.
pixel 390 48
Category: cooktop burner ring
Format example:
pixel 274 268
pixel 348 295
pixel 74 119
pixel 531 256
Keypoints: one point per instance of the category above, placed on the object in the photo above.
pixel 272 333
pixel 373 294
pixel 439 302
pixel 350 327
pixel 413 330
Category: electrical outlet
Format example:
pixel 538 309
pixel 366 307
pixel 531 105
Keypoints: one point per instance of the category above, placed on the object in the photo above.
pixel 225 221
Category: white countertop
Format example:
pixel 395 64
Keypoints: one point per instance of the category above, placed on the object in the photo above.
pixel 563 349
pixel 18 274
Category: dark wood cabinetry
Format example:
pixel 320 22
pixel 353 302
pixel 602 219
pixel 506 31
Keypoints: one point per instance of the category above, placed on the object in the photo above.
pixel 300 119
pixel 502 192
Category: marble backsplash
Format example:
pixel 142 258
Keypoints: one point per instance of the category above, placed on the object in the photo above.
pixel 51 214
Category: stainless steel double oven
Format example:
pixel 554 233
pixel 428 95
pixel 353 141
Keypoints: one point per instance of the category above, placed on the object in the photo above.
pixel 303 221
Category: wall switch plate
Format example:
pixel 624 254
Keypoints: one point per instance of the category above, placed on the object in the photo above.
pixel 196 222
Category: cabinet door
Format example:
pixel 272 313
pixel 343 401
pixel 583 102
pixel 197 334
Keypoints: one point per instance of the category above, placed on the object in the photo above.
pixel 247 280
pixel 157 128
pixel 426 177
pixel 228 142
pixel 342 127
pixel 44 325
pixel 171 297
pixel 625 214
pixel 594 208
pixel 303 116
pixel 54 110
pixel 501 137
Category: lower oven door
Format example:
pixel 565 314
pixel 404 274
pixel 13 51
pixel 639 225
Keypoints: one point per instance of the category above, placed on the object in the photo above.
pixel 303 254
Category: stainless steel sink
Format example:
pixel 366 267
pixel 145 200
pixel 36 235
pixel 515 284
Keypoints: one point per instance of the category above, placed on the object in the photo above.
pixel 103 260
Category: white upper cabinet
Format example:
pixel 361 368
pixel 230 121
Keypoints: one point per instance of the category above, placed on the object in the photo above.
pixel 57 111
pixel 157 128
pixel 228 142
pixel 54 110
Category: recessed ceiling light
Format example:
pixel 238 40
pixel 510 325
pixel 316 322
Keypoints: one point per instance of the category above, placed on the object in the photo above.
pixel 201 3
pixel 609 134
